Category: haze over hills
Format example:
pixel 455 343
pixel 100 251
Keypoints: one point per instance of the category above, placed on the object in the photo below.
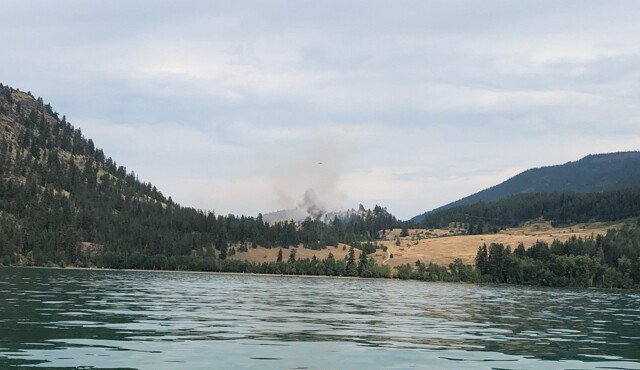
pixel 593 173
pixel 302 213
pixel 312 207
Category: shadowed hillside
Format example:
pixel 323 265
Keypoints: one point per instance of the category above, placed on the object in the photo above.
pixel 593 173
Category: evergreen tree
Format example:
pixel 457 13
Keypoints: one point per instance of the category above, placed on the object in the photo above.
pixel 292 256
pixel 362 263
pixel 351 268
pixel 482 259
pixel 405 231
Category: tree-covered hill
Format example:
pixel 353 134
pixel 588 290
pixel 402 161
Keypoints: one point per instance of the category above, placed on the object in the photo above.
pixel 63 201
pixel 593 173
pixel 559 208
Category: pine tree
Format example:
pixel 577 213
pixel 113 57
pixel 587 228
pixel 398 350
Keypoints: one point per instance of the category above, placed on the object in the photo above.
pixel 292 256
pixel 404 231
pixel 362 263
pixel 351 268
pixel 482 259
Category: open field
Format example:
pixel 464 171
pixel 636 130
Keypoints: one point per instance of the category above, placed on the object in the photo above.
pixel 260 254
pixel 443 250
pixel 440 246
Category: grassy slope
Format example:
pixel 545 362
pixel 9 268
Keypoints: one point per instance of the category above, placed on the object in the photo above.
pixel 441 246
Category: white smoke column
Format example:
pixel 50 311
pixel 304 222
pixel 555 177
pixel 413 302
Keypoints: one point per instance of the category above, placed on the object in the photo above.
pixel 312 168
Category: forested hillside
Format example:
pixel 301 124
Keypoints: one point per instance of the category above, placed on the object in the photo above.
pixel 593 173
pixel 559 208
pixel 63 201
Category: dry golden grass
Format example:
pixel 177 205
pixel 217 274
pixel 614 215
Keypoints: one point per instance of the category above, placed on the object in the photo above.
pixel 440 246
pixel 260 254
pixel 443 250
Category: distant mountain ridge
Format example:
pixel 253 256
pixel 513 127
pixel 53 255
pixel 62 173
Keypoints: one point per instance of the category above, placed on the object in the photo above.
pixel 591 174
pixel 300 214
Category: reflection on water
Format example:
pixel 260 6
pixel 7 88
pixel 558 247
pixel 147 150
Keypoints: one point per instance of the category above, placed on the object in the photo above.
pixel 152 320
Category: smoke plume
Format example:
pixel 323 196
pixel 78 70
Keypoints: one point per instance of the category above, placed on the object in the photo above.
pixel 306 174
pixel 315 209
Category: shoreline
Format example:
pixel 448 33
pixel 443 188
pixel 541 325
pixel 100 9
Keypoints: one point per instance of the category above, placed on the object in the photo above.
pixel 212 273
pixel 321 276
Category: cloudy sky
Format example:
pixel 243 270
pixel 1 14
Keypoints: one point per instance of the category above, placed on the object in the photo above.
pixel 231 105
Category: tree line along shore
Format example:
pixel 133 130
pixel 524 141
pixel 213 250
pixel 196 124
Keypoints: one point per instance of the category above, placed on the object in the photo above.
pixel 606 261
pixel 63 202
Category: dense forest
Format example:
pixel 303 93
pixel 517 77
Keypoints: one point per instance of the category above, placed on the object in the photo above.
pixel 62 201
pixel 591 174
pixel 559 208
pixel 609 261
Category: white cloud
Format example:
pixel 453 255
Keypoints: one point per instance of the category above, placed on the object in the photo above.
pixel 409 105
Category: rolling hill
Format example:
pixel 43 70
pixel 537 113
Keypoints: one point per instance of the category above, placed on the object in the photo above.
pixel 591 174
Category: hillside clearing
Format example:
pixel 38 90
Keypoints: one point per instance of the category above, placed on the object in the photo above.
pixel 440 246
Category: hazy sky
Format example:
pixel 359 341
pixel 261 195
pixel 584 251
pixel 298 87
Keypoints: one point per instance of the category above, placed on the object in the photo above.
pixel 231 105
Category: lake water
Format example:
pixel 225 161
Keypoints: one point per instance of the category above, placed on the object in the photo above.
pixel 156 320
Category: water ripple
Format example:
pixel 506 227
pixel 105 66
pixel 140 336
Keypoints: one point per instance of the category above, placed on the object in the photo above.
pixel 106 319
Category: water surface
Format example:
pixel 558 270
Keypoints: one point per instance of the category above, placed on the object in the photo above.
pixel 160 320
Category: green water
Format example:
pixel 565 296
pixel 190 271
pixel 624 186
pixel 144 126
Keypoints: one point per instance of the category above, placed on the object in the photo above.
pixel 154 320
